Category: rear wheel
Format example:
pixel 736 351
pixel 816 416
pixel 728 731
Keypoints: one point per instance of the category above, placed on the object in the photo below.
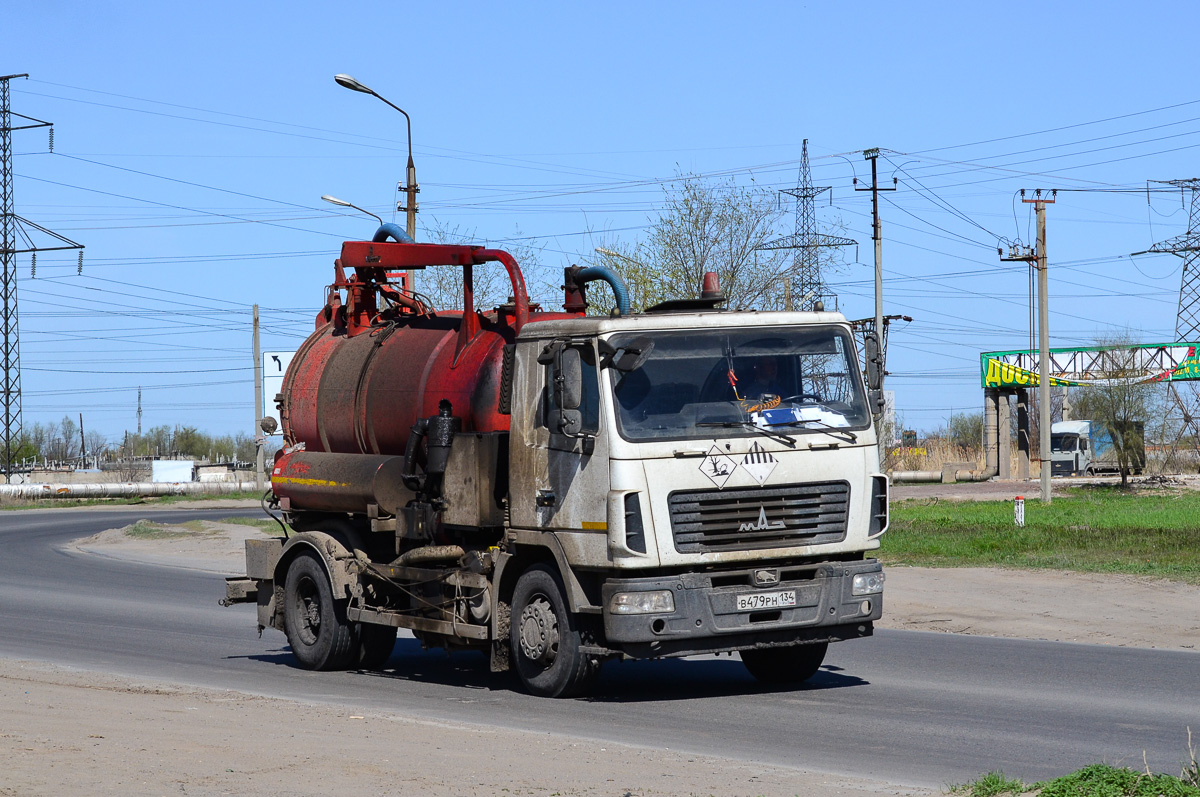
pixel 315 624
pixel 375 644
pixel 791 665
pixel 545 638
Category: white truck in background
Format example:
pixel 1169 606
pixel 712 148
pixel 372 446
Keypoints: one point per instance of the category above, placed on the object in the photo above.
pixel 1085 448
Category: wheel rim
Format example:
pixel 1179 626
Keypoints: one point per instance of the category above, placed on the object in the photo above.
pixel 539 631
pixel 308 610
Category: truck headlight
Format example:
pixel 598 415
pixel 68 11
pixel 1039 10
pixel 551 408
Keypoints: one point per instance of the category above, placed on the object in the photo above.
pixel 657 602
pixel 867 584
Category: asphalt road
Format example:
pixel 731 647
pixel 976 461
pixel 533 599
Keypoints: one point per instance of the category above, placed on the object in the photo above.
pixel 915 708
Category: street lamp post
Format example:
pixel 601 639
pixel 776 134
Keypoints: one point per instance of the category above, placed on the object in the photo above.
pixel 410 175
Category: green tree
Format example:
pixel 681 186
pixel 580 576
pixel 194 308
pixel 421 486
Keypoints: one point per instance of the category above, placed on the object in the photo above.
pixel 965 430
pixel 244 450
pixel 156 442
pixel 191 442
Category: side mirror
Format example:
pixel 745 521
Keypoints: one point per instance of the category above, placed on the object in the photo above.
pixel 566 388
pixel 874 362
pixel 568 380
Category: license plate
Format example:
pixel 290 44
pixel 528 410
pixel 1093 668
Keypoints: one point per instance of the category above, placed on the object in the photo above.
pixel 766 600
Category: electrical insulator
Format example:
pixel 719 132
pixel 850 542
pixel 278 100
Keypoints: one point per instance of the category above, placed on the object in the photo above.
pixel 33 267
pixel 52 139
pixel 80 269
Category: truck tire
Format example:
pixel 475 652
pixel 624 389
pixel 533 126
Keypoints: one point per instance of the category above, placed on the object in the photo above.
pixel 315 624
pixel 791 665
pixel 545 638
pixel 375 644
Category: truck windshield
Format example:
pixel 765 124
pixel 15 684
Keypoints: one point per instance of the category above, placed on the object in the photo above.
pixel 1062 443
pixel 704 384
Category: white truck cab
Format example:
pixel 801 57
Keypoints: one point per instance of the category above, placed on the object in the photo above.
pixel 713 478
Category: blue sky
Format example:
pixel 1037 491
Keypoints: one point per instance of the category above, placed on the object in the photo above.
pixel 192 146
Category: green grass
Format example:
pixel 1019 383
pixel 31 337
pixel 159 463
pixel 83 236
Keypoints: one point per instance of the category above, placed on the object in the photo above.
pixel 257 522
pixel 151 530
pixel 1150 534
pixel 146 530
pixel 264 524
pixel 1097 780
pixel 990 785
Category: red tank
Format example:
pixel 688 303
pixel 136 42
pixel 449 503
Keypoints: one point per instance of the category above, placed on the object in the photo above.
pixel 382 361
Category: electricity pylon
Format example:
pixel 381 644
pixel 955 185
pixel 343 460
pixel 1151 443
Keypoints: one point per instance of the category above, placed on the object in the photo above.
pixel 806 284
pixel 15 231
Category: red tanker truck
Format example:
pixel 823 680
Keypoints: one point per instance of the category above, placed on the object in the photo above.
pixel 558 489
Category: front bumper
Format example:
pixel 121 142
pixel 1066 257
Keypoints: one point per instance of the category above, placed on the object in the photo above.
pixel 707 618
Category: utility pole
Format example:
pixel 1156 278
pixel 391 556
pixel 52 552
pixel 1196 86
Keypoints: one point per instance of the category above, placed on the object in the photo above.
pixel 877 235
pixel 258 403
pixel 1037 258
pixel 139 411
pixel 13 229
pixel 82 442
pixel 1039 205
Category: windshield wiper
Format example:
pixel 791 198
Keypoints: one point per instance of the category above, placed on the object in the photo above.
pixel 778 436
pixel 851 436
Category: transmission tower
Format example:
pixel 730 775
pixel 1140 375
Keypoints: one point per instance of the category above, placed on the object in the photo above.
pixel 15 231
pixel 806 285
pixel 1187 246
pixel 1184 406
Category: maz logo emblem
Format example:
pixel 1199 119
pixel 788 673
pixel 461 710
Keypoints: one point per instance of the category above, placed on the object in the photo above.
pixel 762 524
pixel 763 578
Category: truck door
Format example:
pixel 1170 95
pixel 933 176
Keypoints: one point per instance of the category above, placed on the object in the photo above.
pixel 559 481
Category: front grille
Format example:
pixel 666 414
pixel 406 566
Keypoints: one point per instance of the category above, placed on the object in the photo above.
pixel 710 521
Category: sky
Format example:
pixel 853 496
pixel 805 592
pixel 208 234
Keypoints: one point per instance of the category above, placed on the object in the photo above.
pixel 191 149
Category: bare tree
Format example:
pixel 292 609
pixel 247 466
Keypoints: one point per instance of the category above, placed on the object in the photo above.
pixel 705 226
pixel 62 441
pixel 97 444
pixel 443 286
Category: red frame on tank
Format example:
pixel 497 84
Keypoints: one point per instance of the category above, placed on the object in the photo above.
pixel 366 375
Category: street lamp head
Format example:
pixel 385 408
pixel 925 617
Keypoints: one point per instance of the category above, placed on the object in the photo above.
pixel 352 84
pixel 335 201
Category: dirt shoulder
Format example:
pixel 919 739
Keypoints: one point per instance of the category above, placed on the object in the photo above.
pixel 1095 609
pixel 68 732
pixel 1091 608
pixel 200 545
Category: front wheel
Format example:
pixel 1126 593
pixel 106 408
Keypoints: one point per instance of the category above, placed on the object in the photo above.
pixel 790 665
pixel 315 624
pixel 545 638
